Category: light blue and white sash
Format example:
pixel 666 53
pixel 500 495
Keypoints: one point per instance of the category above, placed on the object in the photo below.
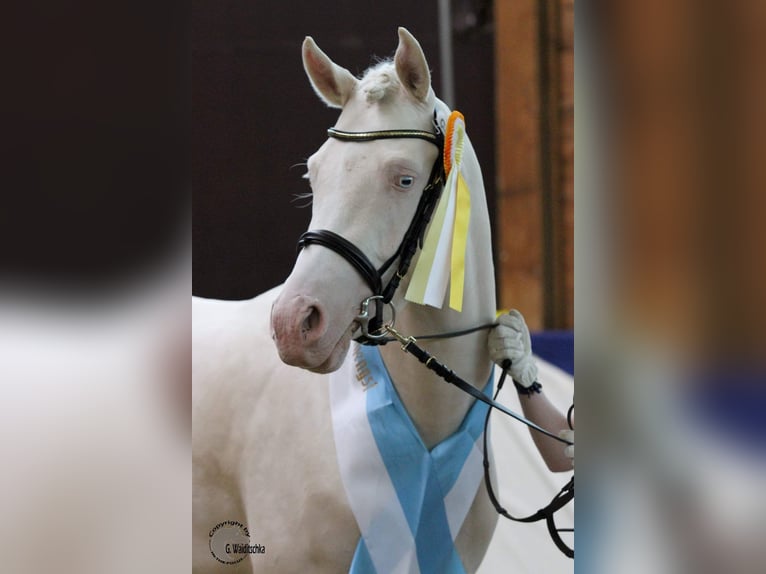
pixel 409 503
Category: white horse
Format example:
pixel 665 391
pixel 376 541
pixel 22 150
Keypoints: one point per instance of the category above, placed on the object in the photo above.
pixel 264 452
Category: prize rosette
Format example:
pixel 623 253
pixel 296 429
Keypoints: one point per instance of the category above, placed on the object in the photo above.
pixel 442 260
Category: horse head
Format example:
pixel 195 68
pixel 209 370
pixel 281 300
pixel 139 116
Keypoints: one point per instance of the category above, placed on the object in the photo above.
pixel 366 193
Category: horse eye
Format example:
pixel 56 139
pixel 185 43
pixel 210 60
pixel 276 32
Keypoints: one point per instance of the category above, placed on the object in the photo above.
pixel 406 181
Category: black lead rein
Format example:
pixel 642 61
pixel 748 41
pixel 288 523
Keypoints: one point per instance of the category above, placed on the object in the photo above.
pixel 410 345
pixel 448 335
pixel 546 513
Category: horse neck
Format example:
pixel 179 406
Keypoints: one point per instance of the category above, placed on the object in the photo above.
pixel 435 408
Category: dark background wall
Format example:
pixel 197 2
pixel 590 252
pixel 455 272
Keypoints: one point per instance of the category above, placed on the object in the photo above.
pixel 255 117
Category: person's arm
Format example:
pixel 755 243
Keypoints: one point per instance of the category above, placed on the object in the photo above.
pixel 510 340
pixel 541 411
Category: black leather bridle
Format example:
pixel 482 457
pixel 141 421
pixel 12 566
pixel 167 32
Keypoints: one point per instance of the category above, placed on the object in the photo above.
pixel 413 237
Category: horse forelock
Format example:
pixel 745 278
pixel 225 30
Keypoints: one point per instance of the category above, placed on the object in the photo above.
pixel 380 83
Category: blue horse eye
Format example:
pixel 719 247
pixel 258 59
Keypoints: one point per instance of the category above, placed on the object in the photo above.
pixel 406 181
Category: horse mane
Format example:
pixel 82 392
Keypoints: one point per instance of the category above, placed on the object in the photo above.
pixel 379 82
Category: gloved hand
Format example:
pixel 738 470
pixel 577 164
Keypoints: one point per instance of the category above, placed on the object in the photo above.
pixel 510 340
pixel 568 450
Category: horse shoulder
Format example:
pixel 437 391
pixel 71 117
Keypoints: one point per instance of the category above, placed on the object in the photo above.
pixel 229 340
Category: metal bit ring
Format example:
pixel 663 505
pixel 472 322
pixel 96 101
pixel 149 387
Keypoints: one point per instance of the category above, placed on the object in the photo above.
pixel 363 319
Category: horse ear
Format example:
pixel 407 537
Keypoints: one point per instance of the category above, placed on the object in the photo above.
pixel 411 66
pixel 332 83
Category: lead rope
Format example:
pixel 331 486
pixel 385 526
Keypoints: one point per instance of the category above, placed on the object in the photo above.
pixel 409 345
pixel 546 513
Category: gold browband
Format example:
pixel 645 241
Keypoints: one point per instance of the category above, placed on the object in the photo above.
pixel 383 134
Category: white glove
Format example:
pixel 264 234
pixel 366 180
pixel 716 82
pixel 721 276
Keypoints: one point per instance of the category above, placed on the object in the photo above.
pixel 569 450
pixel 510 340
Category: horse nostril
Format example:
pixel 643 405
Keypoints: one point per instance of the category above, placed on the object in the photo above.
pixel 313 320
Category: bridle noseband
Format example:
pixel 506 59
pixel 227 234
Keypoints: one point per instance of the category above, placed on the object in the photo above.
pixel 413 237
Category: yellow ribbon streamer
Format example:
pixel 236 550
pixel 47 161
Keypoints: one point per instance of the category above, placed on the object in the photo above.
pixel 459 243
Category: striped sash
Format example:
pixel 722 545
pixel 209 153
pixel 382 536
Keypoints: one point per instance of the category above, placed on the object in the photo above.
pixel 409 502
